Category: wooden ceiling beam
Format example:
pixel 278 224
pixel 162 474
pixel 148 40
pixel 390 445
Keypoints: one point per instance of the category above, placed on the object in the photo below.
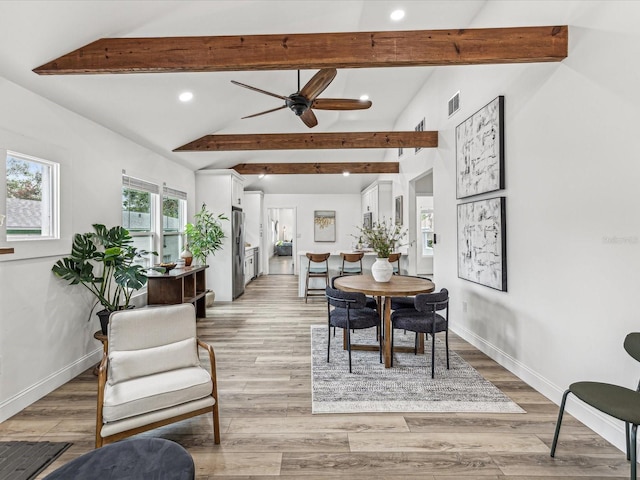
pixel 311 141
pixel 334 168
pixel 315 50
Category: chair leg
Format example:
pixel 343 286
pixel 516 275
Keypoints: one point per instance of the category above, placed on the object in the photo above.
pixel 306 288
pixel 349 346
pixel 329 340
pixel 628 440
pixel 380 344
pixel 392 332
pixel 415 344
pixel 446 342
pixel 433 355
pixel 634 431
pixel 559 423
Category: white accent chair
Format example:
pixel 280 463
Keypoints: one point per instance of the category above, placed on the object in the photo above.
pixel 151 375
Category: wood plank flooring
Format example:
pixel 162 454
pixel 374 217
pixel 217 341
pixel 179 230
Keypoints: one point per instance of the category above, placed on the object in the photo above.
pixel 262 345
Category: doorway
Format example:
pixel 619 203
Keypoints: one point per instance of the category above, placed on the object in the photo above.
pixel 280 241
pixel 422 223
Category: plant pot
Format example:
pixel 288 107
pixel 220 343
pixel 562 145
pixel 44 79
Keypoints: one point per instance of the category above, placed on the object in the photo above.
pixel 104 316
pixel 382 270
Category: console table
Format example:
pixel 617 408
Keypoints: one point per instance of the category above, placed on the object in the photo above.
pixel 180 285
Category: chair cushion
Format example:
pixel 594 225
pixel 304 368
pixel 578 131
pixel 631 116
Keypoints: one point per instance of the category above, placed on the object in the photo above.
pixel 351 270
pixel 619 402
pixel 155 392
pixel 128 364
pixel 358 318
pixel 317 270
pixel 414 321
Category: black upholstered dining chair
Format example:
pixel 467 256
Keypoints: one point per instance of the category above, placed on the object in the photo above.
pixel 349 312
pixel 619 402
pixel 398 303
pixel 424 318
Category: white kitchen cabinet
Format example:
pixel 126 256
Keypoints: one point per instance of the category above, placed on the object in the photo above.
pixel 237 192
pixel 377 199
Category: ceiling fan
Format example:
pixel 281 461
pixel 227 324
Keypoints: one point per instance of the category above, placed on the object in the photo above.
pixel 304 100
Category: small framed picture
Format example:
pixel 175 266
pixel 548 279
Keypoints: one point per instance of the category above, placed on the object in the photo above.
pixel 399 210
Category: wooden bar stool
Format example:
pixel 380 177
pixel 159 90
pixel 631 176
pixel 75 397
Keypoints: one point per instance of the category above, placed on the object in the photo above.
pixel 351 263
pixel 318 268
pixel 395 258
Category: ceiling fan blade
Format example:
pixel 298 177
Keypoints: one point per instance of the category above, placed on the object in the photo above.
pixel 309 118
pixel 318 83
pixel 258 90
pixel 267 111
pixel 340 104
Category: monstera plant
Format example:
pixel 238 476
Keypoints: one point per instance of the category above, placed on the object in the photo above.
pixel 104 262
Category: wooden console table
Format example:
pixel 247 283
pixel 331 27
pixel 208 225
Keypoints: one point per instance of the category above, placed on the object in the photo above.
pixel 180 285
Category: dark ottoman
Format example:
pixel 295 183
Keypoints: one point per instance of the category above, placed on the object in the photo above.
pixel 136 459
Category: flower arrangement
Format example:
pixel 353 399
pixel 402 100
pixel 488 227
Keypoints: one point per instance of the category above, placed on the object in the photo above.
pixel 384 237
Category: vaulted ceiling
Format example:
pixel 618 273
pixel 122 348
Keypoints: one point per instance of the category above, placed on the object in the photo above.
pixel 144 106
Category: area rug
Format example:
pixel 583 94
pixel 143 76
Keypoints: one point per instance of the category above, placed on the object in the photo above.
pixel 25 460
pixel 406 387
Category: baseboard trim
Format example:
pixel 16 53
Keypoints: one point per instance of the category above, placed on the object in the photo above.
pixel 33 393
pixel 605 426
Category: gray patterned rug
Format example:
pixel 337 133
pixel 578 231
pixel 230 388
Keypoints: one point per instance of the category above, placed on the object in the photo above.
pixel 407 387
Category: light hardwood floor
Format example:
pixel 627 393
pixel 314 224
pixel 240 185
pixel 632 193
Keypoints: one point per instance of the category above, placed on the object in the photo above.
pixel 262 345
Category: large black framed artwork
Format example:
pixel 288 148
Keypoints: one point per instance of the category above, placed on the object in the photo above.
pixel 480 151
pixel 482 242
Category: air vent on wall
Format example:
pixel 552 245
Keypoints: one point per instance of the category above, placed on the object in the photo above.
pixel 454 104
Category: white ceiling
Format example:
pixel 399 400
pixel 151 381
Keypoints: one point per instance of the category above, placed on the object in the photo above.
pixel 145 107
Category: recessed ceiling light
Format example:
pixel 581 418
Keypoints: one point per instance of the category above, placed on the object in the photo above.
pixel 261 175
pixel 397 15
pixel 364 98
pixel 185 96
pixel 346 174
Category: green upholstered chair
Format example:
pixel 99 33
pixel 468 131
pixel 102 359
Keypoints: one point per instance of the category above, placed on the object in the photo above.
pixel 318 268
pixel 619 402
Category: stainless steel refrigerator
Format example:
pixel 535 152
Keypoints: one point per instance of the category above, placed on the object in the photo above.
pixel 237 240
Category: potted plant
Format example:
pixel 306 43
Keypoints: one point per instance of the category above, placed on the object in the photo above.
pixel 384 237
pixel 205 234
pixel 104 262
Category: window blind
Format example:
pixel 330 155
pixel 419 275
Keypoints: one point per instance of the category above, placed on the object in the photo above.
pixel 138 184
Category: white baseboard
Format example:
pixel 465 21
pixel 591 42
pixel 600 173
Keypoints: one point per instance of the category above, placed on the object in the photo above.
pixel 605 426
pixel 23 399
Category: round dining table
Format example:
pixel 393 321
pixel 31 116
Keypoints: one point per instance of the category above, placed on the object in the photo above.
pixel 397 286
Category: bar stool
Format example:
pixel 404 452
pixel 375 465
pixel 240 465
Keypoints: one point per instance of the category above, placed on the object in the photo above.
pixel 318 268
pixel 351 263
pixel 395 258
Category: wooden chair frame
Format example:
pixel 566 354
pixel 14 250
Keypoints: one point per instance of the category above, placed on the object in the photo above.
pixel 102 380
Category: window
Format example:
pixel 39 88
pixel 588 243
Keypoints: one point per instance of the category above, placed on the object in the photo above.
pixel 139 206
pixel 32 204
pixel 426 229
pixel 174 212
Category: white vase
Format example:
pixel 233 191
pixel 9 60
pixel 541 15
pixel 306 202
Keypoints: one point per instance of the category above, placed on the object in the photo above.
pixel 382 270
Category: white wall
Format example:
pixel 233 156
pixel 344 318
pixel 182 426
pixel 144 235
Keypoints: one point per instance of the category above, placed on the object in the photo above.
pixel 45 336
pixel 572 176
pixel 348 215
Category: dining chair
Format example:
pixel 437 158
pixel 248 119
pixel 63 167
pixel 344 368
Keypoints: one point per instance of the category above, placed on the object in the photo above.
pixel 395 258
pixel 318 267
pixel 351 263
pixel 398 303
pixel 423 318
pixel 350 312
pixel 616 401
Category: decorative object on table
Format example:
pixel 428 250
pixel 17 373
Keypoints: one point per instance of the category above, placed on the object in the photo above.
pixel 384 238
pixel 480 151
pixel 205 234
pixel 118 274
pixel 167 266
pixel 399 212
pixel 482 242
pixel 186 255
pixel 407 387
pixel 324 226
